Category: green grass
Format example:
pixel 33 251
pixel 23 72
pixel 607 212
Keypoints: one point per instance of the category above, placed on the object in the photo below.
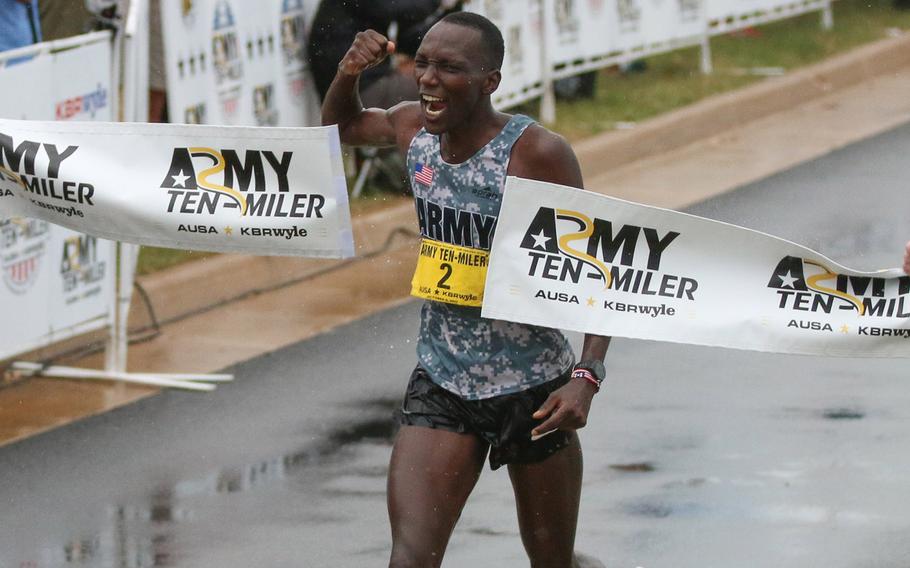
pixel 673 80
pixel 153 259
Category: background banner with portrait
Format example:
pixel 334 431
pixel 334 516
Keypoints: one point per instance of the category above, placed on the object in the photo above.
pixel 238 63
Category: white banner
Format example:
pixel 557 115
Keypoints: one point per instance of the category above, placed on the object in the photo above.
pixel 239 63
pixel 56 283
pixel 271 191
pixel 522 69
pixel 581 261
pixel 672 23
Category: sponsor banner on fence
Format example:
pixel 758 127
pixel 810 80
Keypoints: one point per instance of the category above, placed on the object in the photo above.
pixel 224 189
pixel 581 261
pixel 54 282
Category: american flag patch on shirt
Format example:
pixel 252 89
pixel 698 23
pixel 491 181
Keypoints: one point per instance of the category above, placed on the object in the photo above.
pixel 423 174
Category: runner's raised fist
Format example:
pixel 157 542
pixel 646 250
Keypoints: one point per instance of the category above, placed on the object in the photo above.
pixel 369 49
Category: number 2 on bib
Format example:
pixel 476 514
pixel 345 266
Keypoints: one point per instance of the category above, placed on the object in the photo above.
pixel 450 273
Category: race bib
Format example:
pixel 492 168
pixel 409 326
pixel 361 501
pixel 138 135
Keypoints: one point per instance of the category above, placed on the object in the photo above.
pixel 450 273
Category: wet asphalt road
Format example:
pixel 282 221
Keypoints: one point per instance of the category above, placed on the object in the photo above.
pixel 695 457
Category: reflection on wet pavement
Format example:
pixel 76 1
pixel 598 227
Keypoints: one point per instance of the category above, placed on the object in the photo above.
pixel 146 535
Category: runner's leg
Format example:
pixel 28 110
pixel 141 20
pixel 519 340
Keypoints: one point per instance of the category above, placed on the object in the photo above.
pixel 431 474
pixel 547 494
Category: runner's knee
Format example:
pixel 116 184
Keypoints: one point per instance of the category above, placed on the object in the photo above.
pixel 547 550
pixel 409 558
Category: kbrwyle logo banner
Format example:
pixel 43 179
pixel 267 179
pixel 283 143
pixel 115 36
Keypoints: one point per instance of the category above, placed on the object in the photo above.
pixel 191 187
pixel 576 260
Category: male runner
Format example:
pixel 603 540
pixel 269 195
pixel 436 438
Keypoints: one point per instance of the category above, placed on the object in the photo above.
pixel 481 385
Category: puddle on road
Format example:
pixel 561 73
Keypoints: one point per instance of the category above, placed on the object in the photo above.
pixel 649 509
pixel 660 509
pixel 640 467
pixel 843 414
pixel 486 531
pixel 144 536
pixel 847 412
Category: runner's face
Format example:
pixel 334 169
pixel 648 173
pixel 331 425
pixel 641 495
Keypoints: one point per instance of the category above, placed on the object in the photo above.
pixel 451 79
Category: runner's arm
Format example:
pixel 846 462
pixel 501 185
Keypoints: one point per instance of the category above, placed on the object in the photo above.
pixel 907 259
pixel 342 106
pixel 545 156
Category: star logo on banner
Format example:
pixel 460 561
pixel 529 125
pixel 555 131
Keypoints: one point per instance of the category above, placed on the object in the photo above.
pixel 591 302
pixel 540 240
pixel 845 328
pixel 228 230
pixel 180 179
pixel 787 280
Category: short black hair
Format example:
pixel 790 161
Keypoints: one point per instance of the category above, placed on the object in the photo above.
pixel 490 35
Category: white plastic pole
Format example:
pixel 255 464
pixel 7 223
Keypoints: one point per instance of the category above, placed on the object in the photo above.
pixel 133 52
pixel 129 254
pixel 827 16
pixel 60 372
pixel 112 356
pixel 116 62
pixel 208 378
pixel 548 95
pixel 136 62
pixel 707 65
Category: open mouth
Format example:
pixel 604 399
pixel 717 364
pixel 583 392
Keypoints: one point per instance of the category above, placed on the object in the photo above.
pixel 433 106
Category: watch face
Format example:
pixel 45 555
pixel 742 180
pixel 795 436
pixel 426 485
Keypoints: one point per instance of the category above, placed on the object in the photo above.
pixel 596 367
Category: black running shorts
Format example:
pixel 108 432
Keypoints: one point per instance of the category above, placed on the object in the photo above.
pixel 504 422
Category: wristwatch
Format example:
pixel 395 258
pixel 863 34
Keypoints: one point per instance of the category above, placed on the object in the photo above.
pixel 595 369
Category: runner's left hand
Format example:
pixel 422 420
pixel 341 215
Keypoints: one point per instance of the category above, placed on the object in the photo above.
pixel 566 408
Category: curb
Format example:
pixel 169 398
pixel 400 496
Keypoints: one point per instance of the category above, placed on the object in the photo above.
pixel 188 289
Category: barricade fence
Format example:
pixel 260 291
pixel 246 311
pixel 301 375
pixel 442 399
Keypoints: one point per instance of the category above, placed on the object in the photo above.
pixel 547 40
pixel 245 63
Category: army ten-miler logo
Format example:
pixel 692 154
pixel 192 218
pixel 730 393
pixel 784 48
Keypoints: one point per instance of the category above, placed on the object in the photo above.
pixel 44 187
pixel 568 246
pixel 200 181
pixel 805 287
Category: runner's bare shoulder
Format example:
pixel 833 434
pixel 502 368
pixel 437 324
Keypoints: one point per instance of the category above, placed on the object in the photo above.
pixel 544 155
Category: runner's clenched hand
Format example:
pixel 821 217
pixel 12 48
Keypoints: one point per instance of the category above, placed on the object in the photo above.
pixel 566 408
pixel 369 49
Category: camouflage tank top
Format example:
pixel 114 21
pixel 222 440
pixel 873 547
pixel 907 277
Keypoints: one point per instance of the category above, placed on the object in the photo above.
pixel 459 204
